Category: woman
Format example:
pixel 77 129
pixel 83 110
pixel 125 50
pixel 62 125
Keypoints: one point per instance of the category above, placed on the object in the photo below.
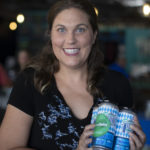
pixel 51 104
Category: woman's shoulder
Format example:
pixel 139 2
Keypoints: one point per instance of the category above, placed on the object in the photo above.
pixel 26 75
pixel 116 87
pixel 112 76
pixel 28 71
pixel 113 79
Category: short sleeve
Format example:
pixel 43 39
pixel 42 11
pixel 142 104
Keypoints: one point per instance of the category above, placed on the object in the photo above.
pixel 117 89
pixel 123 93
pixel 22 92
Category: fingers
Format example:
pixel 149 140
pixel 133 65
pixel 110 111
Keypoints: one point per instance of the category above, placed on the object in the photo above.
pixel 85 139
pixel 136 121
pixel 89 127
pixel 135 141
pixel 139 133
pixel 137 137
pixel 88 131
pixel 132 144
pixel 138 130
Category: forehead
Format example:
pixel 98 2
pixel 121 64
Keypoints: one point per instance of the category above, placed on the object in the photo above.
pixel 71 15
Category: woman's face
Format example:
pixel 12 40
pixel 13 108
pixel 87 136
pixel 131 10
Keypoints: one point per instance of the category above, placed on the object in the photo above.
pixel 72 38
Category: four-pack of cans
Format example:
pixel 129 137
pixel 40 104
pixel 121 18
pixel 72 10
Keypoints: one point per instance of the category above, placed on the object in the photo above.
pixel 112 127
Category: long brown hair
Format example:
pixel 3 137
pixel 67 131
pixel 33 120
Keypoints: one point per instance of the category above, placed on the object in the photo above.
pixel 46 64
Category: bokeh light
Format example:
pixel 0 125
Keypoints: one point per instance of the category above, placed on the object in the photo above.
pixel 20 18
pixel 146 9
pixel 96 11
pixel 13 26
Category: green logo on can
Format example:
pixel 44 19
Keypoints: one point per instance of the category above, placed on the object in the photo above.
pixel 102 125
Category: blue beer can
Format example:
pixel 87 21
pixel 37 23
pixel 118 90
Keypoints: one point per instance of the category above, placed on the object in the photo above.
pixel 93 119
pixel 125 120
pixel 94 114
pixel 105 126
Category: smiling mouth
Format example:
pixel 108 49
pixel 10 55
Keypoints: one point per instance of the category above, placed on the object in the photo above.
pixel 71 51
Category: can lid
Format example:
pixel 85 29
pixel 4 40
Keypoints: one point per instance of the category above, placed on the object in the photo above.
pixel 106 101
pixel 96 107
pixel 109 103
pixel 126 108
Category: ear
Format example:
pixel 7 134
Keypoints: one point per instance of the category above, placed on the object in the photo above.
pixel 94 37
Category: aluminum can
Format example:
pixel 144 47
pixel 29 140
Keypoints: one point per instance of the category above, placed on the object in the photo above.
pixel 94 114
pixel 93 119
pixel 105 126
pixel 125 120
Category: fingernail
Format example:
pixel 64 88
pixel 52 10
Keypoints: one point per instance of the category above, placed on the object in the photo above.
pixel 131 126
pixel 130 140
pixel 130 134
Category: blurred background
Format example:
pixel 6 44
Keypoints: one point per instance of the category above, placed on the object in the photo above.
pixel 124 38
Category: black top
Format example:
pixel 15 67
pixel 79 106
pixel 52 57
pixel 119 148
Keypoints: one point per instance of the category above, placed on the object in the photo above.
pixel 54 125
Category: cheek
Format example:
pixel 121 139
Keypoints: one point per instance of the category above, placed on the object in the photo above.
pixel 57 44
pixel 87 40
pixel 57 41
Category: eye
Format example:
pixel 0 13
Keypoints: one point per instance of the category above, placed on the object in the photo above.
pixel 61 29
pixel 80 30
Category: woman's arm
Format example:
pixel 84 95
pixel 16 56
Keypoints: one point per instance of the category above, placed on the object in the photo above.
pixel 15 129
pixel 22 148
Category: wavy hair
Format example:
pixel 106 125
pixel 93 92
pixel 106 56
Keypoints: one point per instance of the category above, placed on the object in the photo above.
pixel 46 64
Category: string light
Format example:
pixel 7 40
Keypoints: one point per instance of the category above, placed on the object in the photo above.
pixel 20 18
pixel 96 11
pixel 146 9
pixel 13 26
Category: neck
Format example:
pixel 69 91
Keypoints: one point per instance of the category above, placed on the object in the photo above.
pixel 72 75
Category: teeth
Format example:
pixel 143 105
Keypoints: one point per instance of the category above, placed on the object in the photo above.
pixel 71 51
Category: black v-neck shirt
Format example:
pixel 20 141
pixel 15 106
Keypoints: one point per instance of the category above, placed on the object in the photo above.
pixel 54 126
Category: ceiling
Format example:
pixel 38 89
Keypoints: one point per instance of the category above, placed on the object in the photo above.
pixel 110 11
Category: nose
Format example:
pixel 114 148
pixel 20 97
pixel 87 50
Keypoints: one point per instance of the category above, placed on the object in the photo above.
pixel 71 38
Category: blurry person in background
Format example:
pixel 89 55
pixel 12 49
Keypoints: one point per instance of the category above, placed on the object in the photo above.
pixel 119 63
pixel 5 89
pixel 14 64
pixel 23 57
pixel 5 81
pixel 11 67
pixel 51 103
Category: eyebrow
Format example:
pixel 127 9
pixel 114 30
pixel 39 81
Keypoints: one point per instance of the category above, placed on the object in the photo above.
pixel 82 24
pixel 59 25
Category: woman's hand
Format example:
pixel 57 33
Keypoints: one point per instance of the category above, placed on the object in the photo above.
pixel 85 139
pixel 137 137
